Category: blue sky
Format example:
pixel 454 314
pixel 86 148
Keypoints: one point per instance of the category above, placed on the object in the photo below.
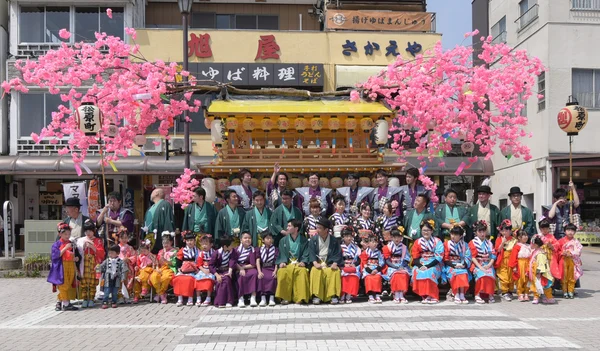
pixel 453 18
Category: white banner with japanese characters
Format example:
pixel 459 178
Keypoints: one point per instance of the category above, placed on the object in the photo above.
pixel 78 190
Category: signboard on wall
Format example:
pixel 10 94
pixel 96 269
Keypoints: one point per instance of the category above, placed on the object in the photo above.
pixel 262 74
pixel 378 20
pixel 51 199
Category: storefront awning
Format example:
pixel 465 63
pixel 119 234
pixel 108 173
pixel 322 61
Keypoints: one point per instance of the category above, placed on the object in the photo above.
pixel 283 107
pixel 579 160
pixel 52 165
pixel 349 76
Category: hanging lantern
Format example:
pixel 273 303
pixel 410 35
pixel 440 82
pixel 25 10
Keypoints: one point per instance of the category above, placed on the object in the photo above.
pixel 208 184
pixel 231 123
pixel 572 118
pixel 334 124
pixel 89 118
pixel 112 130
pixel 207 122
pixel 507 152
pixel 139 140
pixel 283 123
pixel 300 124
pixel 350 124
pixel 431 125
pixel 366 124
pixel 316 123
pixel 248 124
pixel 266 124
pixel 324 182
pixel 467 147
pixel 217 131
pixel 381 131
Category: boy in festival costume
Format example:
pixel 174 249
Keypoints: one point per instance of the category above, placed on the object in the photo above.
pixel 166 268
pixel 428 254
pixel 114 273
pixel 397 259
pixel 91 249
pixel 351 271
pixel 187 263
pixel 310 221
pixel 221 265
pixel 293 261
pixel 519 262
pixel 128 255
pixel 143 269
pixel 457 260
pixel 205 280
pixel 569 261
pixel 504 246
pixel 247 275
pixel 483 256
pixel 266 256
pixel 326 256
pixel 539 273
pixel 373 264
pixel 62 269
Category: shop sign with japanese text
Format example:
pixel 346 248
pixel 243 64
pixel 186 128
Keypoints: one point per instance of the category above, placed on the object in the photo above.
pixel 379 20
pixel 261 74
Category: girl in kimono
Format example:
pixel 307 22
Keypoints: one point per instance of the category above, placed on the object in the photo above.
pixel 187 262
pixel 310 221
pixel 339 219
pixel 128 255
pixel 519 263
pixel 91 249
pixel 550 242
pixel 539 273
pixel 569 261
pixel 363 223
pixel 482 265
pixel 205 280
pixel 266 256
pixel 505 243
pixel 385 223
pixel 247 275
pixel 166 268
pixel 143 269
pixel 351 271
pixel 221 265
pixel 397 259
pixel 373 265
pixel 427 253
pixel 457 260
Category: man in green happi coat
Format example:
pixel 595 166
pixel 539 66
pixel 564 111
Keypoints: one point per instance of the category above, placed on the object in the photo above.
pixel 449 214
pixel 200 216
pixel 293 262
pixel 413 218
pixel 159 218
pixel 230 219
pixel 257 219
pixel 283 214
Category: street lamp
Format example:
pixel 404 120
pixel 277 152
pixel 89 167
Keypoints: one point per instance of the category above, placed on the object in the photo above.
pixel 572 119
pixel 185 7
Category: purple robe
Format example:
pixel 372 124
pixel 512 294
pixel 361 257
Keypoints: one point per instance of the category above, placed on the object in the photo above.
pixel 247 284
pixel 56 276
pixel 224 291
pixel 268 284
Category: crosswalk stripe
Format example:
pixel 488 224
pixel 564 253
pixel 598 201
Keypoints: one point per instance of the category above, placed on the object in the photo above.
pixel 429 343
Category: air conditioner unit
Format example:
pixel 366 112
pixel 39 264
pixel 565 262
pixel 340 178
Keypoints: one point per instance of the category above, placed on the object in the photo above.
pixel 151 147
pixel 178 143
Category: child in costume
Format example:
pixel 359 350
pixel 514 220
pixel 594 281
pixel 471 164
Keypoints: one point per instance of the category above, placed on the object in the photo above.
pixel 428 254
pixel 504 246
pixel 247 275
pixel 310 221
pixel 386 222
pixel 569 260
pixel 91 249
pixel 373 265
pixel 539 273
pixel 482 265
pixel 166 268
pixel 266 256
pixel 519 263
pixel 205 280
pixel 339 219
pixel 187 262
pixel 397 260
pixel 222 264
pixel 62 269
pixel 143 269
pixel 128 255
pixel 114 273
pixel 457 260
pixel 351 271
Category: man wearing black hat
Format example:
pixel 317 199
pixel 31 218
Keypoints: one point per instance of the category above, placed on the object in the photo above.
pixel 75 218
pixel 449 215
pixel 354 194
pixel 520 216
pixel 325 253
pixel 483 210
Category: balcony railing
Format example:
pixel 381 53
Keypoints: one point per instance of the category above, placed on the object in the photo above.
pixel 585 5
pixel 527 17
pixel 500 38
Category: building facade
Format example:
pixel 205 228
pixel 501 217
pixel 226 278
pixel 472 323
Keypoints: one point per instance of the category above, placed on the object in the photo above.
pixel 559 35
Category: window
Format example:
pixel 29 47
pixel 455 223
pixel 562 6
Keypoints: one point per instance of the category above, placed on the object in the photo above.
pixel 585 85
pixel 228 21
pixel 585 5
pixel 268 22
pixel 542 91
pixel 42 24
pixel 528 11
pixel 203 20
pixel 499 31
pixel 245 22
pixel 36 112
pixel 524 102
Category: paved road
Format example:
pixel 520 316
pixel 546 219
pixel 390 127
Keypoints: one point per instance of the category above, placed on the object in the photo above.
pixel 28 322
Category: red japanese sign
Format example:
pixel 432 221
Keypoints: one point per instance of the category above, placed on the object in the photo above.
pixel 267 48
pixel 199 46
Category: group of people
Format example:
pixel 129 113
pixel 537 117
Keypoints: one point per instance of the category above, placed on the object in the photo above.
pixel 320 245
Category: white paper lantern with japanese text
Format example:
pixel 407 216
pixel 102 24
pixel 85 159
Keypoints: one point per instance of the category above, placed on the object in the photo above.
pixel 572 119
pixel 467 147
pixel 209 185
pixel 89 118
pixel 381 132
pixel 217 131
pixel 139 140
